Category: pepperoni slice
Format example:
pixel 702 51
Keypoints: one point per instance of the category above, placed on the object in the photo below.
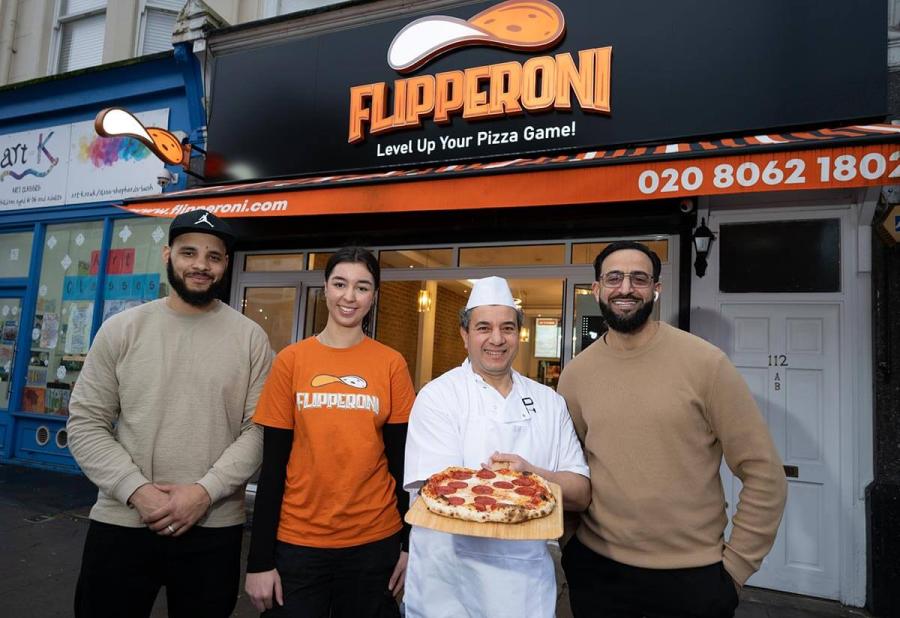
pixel 485 500
pixel 461 475
pixel 523 482
pixel 483 490
pixel 457 484
pixel 526 491
pixel 503 485
pixel 443 490
pixel 485 474
pixel 479 507
pixel 456 500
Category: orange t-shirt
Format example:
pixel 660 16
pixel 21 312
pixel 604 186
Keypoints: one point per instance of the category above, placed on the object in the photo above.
pixel 338 491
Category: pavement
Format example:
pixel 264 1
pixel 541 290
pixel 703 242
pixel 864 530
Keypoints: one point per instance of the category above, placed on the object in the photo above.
pixel 44 519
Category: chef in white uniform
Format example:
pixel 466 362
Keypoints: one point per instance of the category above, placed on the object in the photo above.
pixel 480 413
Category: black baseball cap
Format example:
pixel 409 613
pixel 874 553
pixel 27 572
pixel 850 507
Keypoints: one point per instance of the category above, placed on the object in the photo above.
pixel 201 222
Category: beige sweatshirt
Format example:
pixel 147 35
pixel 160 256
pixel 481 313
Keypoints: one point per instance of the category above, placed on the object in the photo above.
pixel 168 398
pixel 655 423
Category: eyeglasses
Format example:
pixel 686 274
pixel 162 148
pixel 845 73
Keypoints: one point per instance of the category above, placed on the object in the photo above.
pixel 615 278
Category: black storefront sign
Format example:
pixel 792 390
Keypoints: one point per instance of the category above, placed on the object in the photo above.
pixel 675 70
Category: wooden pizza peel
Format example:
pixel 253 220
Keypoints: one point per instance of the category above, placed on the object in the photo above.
pixel 543 528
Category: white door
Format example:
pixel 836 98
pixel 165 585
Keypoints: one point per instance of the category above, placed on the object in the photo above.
pixel 789 356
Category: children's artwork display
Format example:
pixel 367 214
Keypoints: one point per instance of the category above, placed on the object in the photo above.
pixel 33 399
pixel 78 328
pixel 57 399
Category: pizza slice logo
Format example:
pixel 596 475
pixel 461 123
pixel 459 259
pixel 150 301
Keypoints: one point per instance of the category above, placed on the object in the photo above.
pixel 323 379
pixel 116 122
pixel 521 25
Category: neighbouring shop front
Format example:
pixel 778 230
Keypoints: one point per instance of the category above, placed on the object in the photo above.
pixel 467 139
pixel 69 258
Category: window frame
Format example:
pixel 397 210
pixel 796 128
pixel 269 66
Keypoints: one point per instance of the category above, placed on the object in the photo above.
pixel 144 8
pixel 59 21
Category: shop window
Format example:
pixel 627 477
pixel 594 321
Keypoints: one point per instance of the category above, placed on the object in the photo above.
pixel 416 258
pixel 79 33
pixel 158 19
pixel 513 255
pixel 273 309
pixel 316 315
pixel 589 325
pixel 15 254
pixel 135 272
pixel 585 253
pixel 10 320
pixel 61 329
pixel 273 262
pixel 780 256
pixel 317 261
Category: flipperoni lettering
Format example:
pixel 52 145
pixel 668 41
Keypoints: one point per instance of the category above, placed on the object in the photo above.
pixel 490 91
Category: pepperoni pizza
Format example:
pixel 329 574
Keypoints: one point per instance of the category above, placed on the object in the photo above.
pixel 488 495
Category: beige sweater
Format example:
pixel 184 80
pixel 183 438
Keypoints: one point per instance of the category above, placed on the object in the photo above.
pixel 167 398
pixel 655 423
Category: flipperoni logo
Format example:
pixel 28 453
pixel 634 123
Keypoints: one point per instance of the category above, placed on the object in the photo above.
pixel 532 25
pixel 491 91
pixel 323 379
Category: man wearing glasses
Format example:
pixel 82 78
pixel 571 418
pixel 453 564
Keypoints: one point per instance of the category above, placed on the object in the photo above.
pixel 656 409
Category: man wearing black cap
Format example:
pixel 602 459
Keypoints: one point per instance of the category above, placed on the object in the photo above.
pixel 160 421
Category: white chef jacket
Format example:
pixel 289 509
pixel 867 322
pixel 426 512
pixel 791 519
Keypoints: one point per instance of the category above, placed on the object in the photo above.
pixel 460 420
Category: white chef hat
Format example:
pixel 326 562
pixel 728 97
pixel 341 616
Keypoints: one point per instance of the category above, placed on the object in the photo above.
pixel 490 291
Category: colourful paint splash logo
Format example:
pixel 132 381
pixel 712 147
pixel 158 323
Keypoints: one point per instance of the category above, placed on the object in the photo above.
pixel 106 151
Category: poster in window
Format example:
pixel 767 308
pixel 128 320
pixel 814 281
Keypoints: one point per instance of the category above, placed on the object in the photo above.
pixel 33 399
pixel 546 338
pixel 78 331
pixel 9 332
pixel 49 331
pixel 58 398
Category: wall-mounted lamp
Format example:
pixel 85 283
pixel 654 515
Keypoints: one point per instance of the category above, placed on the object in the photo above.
pixel 423 303
pixel 524 334
pixel 703 239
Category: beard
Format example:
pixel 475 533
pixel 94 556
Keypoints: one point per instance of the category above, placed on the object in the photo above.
pixel 195 299
pixel 629 323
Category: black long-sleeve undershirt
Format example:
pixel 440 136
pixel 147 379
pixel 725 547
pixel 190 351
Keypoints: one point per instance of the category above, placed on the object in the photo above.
pixel 270 490
pixel 395 451
pixel 269 494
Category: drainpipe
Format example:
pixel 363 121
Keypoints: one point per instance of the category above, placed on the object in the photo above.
pixel 8 37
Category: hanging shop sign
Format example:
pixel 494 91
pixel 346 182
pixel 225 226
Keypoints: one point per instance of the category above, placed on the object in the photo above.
pixel 71 164
pixel 492 80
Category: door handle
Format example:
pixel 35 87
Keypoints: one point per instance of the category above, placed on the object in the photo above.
pixel 792 472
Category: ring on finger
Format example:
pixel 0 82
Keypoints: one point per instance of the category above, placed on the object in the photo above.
pixel 171 528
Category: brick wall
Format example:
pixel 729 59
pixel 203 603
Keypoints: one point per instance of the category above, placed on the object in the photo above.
pixel 448 346
pixel 398 318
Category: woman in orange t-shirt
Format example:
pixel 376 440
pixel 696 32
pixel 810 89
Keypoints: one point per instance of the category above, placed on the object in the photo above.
pixel 328 534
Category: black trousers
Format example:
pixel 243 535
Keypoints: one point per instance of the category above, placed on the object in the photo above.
pixel 603 588
pixel 348 582
pixel 123 569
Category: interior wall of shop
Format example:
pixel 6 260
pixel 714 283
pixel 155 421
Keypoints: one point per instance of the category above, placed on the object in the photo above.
pixel 856 406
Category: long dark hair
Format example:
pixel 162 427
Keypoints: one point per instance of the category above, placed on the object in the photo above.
pixel 357 255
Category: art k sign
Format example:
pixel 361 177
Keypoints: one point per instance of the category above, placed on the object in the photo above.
pixel 491 80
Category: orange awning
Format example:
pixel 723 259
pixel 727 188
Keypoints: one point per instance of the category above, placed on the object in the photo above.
pixel 852 156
